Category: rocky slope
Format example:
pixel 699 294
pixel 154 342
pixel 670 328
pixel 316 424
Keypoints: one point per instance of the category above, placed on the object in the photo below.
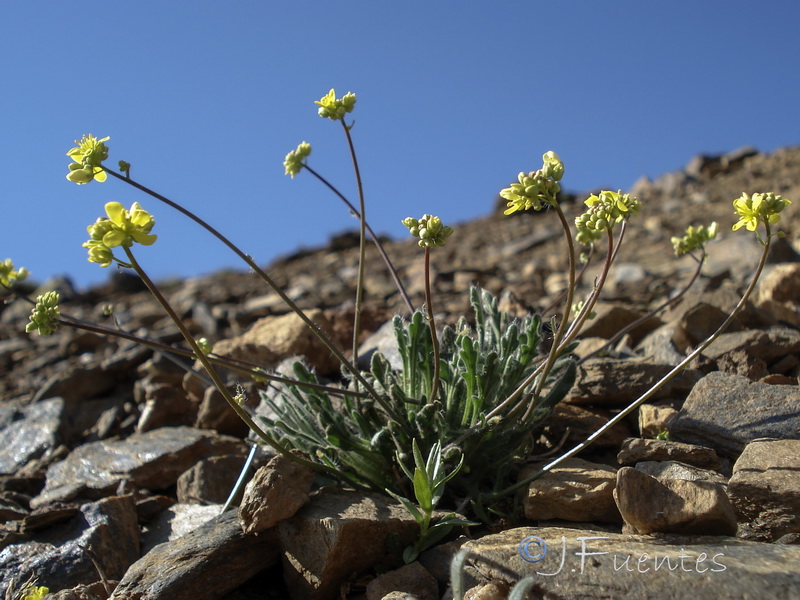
pixel 108 449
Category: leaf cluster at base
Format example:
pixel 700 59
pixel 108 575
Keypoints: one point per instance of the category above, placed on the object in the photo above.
pixel 480 367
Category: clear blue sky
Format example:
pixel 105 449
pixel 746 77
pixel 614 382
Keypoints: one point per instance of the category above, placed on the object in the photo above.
pixel 454 99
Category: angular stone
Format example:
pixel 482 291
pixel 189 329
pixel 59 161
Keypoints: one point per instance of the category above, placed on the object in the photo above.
pixel 579 422
pixel 488 591
pixel 611 318
pixel 636 450
pixel 778 293
pixel 576 490
pixel 205 564
pixel 767 344
pixel 699 323
pixel 274 338
pixel 653 419
pixel 670 469
pixel 649 505
pixel 411 579
pixel 277 491
pixel 165 405
pixel 175 522
pixel 28 432
pixel 57 556
pixel 612 382
pixel 596 564
pixel 725 412
pixel 765 488
pixel 336 536
pixel 210 480
pixel 154 460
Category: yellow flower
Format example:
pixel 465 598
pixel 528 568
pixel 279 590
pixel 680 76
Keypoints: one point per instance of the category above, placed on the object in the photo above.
pixel 754 209
pixel 121 228
pixel 537 188
pixel 605 209
pixel 331 107
pixel 88 157
pixel 8 276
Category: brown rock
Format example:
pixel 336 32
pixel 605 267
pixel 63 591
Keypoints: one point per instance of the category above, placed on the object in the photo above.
pixel 649 505
pixel 488 591
pixel 612 382
pixel 765 488
pixel 636 449
pixel 579 422
pixel 211 480
pixel 410 579
pixel 336 536
pixel 778 293
pixel 276 492
pixel 654 419
pixel 272 339
pixel 576 490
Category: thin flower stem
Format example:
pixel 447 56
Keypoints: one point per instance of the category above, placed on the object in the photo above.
pixel 659 384
pixel 666 304
pixel 432 325
pixel 580 319
pixel 221 361
pixel 558 334
pixel 237 408
pixel 375 239
pixel 362 245
pixel 315 329
pixel 234 364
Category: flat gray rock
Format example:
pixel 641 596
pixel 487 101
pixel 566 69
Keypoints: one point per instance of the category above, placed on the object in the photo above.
pixel 205 564
pixel 28 432
pixel 154 460
pixel 576 564
pixel 57 555
pixel 726 412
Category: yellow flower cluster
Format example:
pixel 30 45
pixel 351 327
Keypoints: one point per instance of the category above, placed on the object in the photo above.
pixel 333 108
pixel 88 156
pixel 694 238
pixel 293 163
pixel 754 209
pixel 121 228
pixel 536 188
pixel 9 276
pixel 429 229
pixel 605 209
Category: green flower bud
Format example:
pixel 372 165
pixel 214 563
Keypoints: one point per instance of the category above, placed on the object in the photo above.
pixel 693 239
pixel 553 167
pixel 293 163
pixel 204 345
pixel 45 315
pixel 429 229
